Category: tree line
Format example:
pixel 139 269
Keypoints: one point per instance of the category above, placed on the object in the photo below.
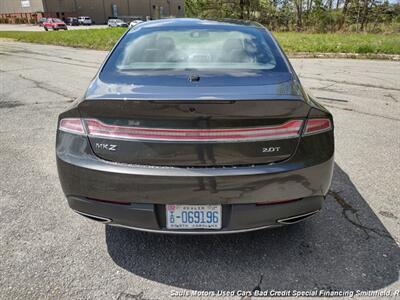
pixel 305 15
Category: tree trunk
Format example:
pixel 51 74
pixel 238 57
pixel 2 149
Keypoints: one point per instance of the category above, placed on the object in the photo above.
pixel 309 6
pixel 241 4
pixel 364 16
pixel 344 12
pixel 299 11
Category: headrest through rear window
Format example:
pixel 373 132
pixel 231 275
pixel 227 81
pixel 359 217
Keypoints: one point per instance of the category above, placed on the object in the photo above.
pixel 233 44
pixel 165 44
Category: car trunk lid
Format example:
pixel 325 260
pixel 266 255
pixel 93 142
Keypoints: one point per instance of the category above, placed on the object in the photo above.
pixel 214 122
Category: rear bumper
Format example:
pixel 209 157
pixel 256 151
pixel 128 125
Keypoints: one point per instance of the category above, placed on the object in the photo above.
pixel 235 218
pixel 143 191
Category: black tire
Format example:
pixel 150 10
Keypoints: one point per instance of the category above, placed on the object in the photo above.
pixel 45 28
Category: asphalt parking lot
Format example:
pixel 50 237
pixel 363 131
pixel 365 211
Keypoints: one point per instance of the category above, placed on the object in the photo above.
pixel 47 251
pixel 30 27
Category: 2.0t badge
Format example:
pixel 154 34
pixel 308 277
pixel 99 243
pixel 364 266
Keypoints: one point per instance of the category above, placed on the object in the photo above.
pixel 270 149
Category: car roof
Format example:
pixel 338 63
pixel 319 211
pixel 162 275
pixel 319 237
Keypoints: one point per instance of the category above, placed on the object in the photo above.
pixel 183 22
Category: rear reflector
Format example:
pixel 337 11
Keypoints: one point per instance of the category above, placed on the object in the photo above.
pixel 73 125
pixel 314 126
pixel 275 202
pixel 290 129
pixel 110 201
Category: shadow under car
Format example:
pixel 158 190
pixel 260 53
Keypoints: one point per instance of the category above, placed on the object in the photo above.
pixel 344 247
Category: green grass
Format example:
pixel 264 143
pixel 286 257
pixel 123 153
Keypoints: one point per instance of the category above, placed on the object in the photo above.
pixel 100 39
pixel 292 42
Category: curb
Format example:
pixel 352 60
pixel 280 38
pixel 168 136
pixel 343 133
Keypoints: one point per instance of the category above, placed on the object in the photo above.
pixel 380 56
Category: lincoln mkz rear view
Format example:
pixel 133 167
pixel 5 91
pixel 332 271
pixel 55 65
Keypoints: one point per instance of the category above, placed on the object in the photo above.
pixel 196 126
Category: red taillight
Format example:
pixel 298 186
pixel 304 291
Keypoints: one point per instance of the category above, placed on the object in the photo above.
pixel 73 125
pixel 314 126
pixel 290 129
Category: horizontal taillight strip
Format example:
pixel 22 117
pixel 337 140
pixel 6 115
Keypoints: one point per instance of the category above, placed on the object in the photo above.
pixel 290 129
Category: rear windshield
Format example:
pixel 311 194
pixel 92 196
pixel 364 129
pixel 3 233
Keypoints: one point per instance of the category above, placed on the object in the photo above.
pixel 211 48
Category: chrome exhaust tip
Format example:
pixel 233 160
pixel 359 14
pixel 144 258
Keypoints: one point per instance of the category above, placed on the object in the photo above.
pixel 94 218
pixel 296 219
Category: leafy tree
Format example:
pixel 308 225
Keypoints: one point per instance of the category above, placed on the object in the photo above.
pixel 310 15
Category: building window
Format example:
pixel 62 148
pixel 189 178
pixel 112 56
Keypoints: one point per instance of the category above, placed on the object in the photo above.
pixel 179 7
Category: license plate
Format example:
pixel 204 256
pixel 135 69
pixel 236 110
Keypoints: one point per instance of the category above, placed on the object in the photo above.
pixel 193 216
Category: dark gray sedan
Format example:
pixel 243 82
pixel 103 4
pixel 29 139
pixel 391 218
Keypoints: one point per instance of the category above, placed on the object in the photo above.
pixel 195 126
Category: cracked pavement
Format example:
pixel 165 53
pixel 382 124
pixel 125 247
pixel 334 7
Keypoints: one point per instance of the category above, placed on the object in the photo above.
pixel 47 251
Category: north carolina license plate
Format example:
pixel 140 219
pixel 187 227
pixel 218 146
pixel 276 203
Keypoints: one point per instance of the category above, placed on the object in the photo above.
pixel 193 216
